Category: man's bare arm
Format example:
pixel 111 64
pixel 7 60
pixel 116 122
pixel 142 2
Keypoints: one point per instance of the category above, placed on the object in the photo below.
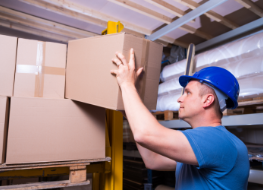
pixel 156 161
pixel 153 160
pixel 148 132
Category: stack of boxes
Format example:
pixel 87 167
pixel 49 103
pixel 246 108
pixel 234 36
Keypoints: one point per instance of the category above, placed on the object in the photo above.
pixel 37 123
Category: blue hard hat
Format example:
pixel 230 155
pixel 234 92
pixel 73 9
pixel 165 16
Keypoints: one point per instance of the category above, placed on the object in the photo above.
pixel 218 78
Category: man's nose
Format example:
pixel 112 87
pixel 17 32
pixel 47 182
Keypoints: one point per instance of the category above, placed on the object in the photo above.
pixel 180 99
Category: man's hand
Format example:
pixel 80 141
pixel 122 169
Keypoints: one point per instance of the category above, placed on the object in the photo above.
pixel 126 74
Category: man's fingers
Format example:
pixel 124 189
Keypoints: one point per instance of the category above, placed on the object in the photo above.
pixel 132 59
pixel 115 72
pixel 116 61
pixel 122 58
pixel 139 71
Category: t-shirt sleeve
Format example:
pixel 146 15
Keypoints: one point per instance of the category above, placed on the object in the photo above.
pixel 212 147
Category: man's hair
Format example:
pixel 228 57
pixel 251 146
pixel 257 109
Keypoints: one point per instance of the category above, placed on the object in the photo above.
pixel 204 89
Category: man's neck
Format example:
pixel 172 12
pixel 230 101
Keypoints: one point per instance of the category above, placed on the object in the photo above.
pixel 205 122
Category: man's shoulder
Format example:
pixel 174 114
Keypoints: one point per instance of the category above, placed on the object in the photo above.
pixel 218 138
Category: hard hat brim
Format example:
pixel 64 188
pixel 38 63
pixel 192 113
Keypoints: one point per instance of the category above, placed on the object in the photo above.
pixel 184 80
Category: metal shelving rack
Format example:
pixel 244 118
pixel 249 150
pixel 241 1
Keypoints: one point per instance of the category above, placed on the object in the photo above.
pixel 254 119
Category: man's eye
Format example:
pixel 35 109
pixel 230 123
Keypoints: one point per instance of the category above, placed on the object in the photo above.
pixel 188 93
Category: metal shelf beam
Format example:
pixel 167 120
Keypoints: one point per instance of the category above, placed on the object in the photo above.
pixel 229 121
pixel 185 19
pixel 228 35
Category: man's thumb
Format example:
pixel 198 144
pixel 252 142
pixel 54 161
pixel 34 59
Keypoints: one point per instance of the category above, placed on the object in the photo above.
pixel 139 71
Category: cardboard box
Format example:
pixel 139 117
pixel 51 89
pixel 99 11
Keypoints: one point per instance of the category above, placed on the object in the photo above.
pixel 4 111
pixel 89 63
pixel 40 69
pixel 8 47
pixel 45 130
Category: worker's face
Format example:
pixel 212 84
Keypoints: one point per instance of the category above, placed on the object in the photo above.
pixel 190 102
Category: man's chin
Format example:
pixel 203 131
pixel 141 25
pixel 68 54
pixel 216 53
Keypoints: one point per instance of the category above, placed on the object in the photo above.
pixel 181 116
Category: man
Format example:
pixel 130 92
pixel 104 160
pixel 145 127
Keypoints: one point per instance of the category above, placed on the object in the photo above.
pixel 205 157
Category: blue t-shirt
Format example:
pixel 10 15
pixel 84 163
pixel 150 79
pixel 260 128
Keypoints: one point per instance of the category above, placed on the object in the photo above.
pixel 222 158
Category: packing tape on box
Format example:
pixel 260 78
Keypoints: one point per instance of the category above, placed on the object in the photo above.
pixel 40 69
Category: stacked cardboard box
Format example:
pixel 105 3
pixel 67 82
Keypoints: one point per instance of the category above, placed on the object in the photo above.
pixel 42 125
pixel 89 63
pixel 8 47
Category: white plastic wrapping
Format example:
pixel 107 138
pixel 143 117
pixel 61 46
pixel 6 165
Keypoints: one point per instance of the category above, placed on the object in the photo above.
pixel 170 71
pixel 240 69
pixel 169 86
pixel 245 67
pixel 227 54
pixel 168 102
pixel 243 58
pixel 250 87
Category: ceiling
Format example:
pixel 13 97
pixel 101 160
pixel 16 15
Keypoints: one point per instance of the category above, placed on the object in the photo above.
pixel 143 17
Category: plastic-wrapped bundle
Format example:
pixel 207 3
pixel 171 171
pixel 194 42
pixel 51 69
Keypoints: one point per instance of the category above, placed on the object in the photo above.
pixel 240 69
pixel 170 71
pixel 250 87
pixel 169 86
pixel 235 51
pixel 244 67
pixel 168 102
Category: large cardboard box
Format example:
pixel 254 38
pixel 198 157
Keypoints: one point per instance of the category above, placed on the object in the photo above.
pixel 45 130
pixel 89 63
pixel 4 110
pixel 8 46
pixel 40 69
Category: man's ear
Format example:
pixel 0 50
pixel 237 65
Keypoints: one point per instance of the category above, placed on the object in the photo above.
pixel 208 100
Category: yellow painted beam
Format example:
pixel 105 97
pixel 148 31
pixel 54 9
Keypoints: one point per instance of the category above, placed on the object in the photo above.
pixel 114 180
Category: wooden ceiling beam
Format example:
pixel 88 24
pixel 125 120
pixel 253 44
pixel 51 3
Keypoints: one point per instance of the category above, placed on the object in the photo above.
pixel 251 6
pixel 173 41
pixel 143 10
pixel 167 7
pixel 53 26
pixel 34 31
pixel 211 14
pixel 150 13
pixel 70 9
pixel 39 26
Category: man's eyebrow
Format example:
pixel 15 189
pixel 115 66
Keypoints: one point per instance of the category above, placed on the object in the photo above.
pixel 187 89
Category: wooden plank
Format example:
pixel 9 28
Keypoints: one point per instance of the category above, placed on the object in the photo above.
pixel 251 6
pixel 143 10
pixel 48 172
pixel 150 13
pixel 44 22
pixel 39 26
pixel 45 185
pixel 77 174
pixel 43 172
pixel 174 41
pixel 168 115
pixel 168 7
pixel 217 17
pixel 211 14
pixel 34 31
pixel 51 164
pixel 249 103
